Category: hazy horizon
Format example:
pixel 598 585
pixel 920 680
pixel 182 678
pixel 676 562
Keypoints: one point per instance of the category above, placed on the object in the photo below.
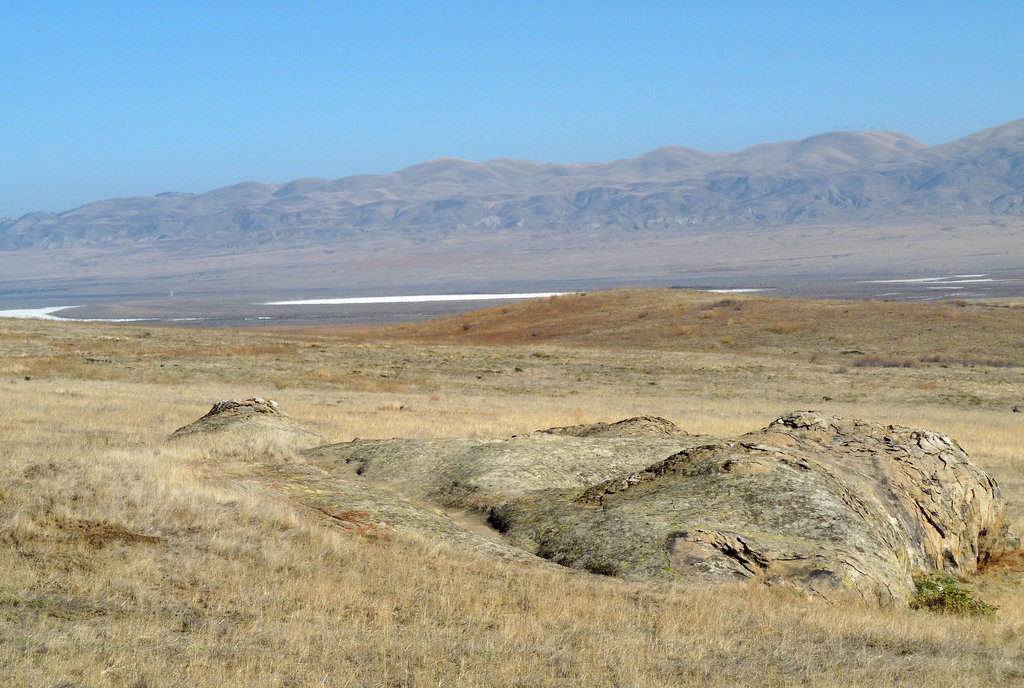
pixel 114 99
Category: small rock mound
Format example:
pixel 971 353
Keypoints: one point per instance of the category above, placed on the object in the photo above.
pixel 639 426
pixel 248 415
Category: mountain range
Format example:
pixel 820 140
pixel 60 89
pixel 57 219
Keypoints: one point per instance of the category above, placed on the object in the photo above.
pixel 832 177
pixel 819 184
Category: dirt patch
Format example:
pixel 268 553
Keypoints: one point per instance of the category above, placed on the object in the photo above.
pixel 100 534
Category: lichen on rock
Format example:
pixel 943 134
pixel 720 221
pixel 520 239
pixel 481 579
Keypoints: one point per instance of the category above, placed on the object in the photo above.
pixel 820 503
pixel 630 427
pixel 247 417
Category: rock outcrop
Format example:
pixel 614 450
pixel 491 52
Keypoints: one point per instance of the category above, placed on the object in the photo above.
pixel 831 506
pixel 248 416
pixel 827 505
pixel 466 473
pixel 630 427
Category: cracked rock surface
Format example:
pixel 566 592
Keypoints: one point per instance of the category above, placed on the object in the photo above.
pixel 827 505
pixel 822 503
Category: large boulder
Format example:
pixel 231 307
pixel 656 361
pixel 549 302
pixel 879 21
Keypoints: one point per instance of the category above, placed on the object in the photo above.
pixel 828 505
pixel 824 504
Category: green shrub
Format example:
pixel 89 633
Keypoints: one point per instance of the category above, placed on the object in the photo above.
pixel 941 592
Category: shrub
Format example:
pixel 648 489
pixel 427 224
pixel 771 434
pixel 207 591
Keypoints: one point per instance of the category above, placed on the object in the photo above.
pixel 786 327
pixel 881 362
pixel 723 303
pixel 941 592
pixel 946 360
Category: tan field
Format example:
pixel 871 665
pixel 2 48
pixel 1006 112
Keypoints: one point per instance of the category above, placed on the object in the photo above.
pixel 130 560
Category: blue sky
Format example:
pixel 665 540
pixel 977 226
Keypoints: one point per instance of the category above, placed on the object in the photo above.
pixel 108 99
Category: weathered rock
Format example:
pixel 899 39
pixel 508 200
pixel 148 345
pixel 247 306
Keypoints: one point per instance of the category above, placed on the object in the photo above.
pixel 951 510
pixel 476 473
pixel 367 510
pixel 829 505
pixel 466 477
pixel 246 417
pixel 631 427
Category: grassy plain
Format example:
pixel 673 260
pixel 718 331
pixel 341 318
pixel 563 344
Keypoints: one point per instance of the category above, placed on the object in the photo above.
pixel 127 560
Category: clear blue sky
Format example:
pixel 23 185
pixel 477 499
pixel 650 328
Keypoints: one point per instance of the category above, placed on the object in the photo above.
pixel 107 99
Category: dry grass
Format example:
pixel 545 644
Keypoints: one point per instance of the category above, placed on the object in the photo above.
pixel 129 561
pixel 700 321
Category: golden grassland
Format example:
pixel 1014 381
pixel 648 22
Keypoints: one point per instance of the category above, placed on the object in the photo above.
pixel 128 560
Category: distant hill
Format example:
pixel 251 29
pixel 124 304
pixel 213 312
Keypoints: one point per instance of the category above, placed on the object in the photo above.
pixel 834 177
pixel 839 201
pixel 859 333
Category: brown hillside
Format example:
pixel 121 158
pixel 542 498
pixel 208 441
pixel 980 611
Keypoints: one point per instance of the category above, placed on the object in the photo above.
pixel 866 333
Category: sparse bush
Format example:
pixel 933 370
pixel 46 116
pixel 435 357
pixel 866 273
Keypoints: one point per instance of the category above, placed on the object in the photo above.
pixel 947 360
pixel 786 327
pixel 881 362
pixel 941 592
pixel 723 303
